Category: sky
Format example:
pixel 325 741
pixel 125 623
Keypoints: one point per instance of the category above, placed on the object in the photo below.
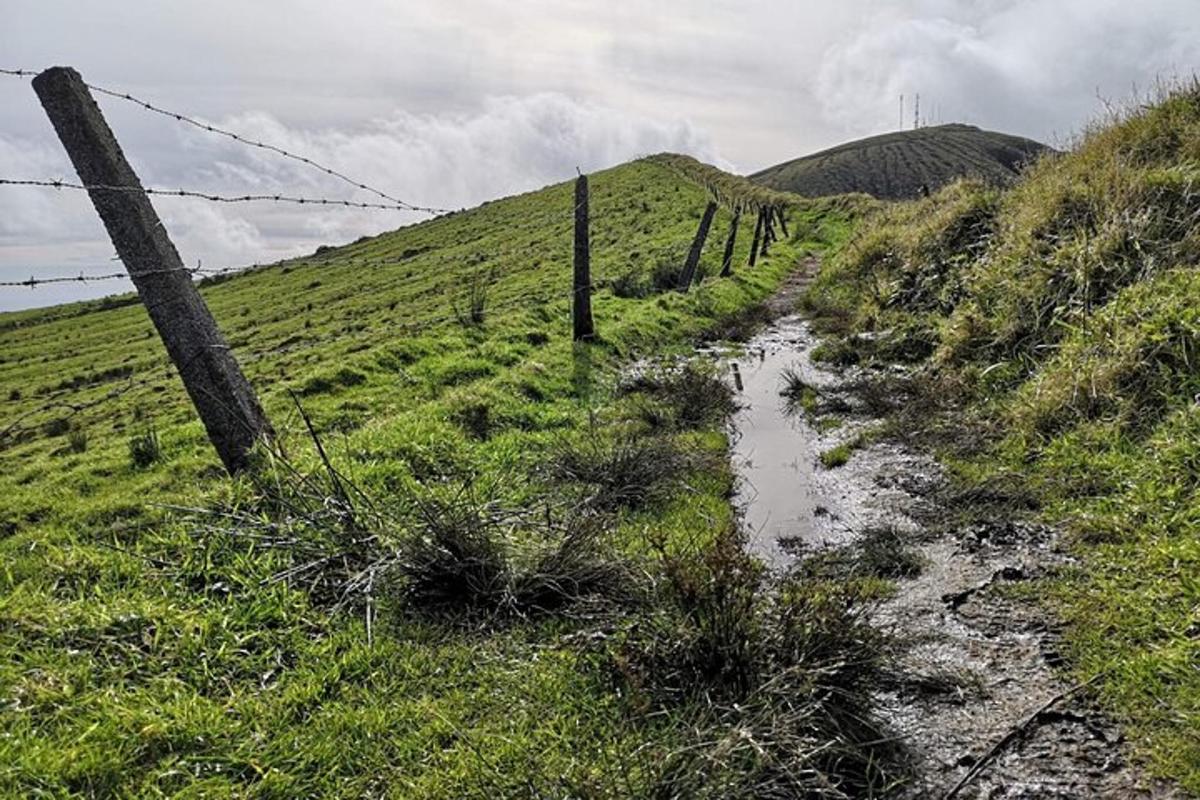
pixel 448 103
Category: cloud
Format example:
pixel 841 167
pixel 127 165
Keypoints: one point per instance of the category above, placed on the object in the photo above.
pixel 495 97
pixel 511 144
pixel 1017 65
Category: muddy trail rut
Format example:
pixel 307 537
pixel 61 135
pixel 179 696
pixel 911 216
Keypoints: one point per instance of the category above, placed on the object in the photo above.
pixel 982 700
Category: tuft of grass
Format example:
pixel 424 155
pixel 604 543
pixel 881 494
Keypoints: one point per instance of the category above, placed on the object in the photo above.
pixel 470 306
pixel 77 441
pixel 145 448
pixel 687 395
pixel 464 553
pixel 619 471
pixel 798 394
pixel 776 679
pixel 839 455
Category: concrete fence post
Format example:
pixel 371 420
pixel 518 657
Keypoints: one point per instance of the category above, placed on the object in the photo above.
pixel 226 403
pixel 583 325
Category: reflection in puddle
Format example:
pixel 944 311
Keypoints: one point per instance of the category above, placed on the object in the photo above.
pixel 781 492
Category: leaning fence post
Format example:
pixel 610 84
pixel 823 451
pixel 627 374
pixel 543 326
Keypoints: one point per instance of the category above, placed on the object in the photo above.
pixel 730 242
pixel 584 327
pixel 220 392
pixel 782 220
pixel 768 230
pixel 693 259
pixel 758 228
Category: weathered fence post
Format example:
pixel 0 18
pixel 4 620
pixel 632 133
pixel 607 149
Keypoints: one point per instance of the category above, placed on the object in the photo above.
pixel 223 397
pixel 582 304
pixel 768 230
pixel 758 228
pixel 688 275
pixel 730 242
pixel 782 220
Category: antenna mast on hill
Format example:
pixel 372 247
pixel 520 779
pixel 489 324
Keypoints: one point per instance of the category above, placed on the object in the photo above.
pixel 901 113
pixel 917 113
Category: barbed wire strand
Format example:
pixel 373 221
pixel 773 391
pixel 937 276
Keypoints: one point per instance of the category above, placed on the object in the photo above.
pixel 185 119
pixel 204 126
pixel 34 281
pixel 215 198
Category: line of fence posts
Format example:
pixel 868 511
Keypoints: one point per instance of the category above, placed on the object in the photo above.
pixel 227 405
pixel 581 305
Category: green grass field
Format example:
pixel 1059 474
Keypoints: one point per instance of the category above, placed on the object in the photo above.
pixel 143 654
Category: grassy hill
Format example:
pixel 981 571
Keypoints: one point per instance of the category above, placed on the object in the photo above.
pixel 1053 330
pixel 165 630
pixel 895 166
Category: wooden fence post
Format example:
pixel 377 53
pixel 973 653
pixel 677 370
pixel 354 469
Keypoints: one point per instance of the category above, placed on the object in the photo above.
pixel 768 230
pixel 730 242
pixel 754 245
pixel 220 392
pixel 782 220
pixel 584 327
pixel 688 275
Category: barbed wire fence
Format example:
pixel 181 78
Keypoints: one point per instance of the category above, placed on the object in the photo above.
pixel 146 278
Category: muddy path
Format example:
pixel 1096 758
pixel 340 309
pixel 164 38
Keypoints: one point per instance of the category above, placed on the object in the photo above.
pixel 982 701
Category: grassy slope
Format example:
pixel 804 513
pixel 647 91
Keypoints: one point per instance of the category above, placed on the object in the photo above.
pixel 138 658
pixel 1060 321
pixel 895 166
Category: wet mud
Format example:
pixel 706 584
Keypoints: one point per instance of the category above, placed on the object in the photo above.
pixel 981 698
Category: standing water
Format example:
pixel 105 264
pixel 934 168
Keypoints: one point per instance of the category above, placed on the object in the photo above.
pixel 784 495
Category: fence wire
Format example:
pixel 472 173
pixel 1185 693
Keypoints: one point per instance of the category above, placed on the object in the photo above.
pixel 214 198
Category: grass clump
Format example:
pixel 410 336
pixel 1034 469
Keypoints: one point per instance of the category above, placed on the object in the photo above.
pixel 621 470
pixel 145 448
pixel 837 456
pixel 470 305
pixel 689 395
pixel 773 679
pixel 77 441
pixel 798 394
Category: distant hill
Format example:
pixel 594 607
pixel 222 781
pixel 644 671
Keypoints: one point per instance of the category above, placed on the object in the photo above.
pixel 895 166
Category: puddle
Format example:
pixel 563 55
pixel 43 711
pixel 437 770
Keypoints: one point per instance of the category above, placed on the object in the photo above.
pixel 789 502
pixel 781 494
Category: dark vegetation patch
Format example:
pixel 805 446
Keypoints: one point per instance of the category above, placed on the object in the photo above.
pixel 898 166
pixel 622 470
pixel 773 677
pixel 324 384
pixel 692 392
